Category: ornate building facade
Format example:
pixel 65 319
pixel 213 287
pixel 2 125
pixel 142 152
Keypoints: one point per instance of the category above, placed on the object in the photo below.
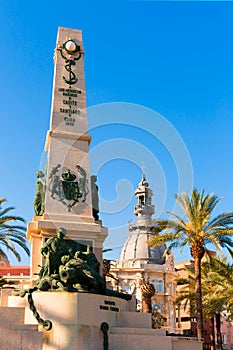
pixel 138 263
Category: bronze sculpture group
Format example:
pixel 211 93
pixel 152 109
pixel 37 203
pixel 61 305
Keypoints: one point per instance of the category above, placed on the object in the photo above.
pixel 69 266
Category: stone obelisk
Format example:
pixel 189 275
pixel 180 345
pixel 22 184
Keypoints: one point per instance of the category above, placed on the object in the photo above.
pixel 67 200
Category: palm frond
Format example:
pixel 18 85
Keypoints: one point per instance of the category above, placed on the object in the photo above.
pixel 12 233
pixel 157 240
pixel 221 220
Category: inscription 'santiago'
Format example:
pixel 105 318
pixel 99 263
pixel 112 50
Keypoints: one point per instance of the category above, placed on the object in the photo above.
pixel 69 104
pixel 70 111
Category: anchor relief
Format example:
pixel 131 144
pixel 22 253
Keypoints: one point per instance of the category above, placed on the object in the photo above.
pixel 70 52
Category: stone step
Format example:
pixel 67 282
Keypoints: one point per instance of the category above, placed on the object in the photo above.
pixel 14 334
pixel 133 330
pixel 11 315
pixel 21 340
pixel 134 319
pixel 19 327
pixel 139 342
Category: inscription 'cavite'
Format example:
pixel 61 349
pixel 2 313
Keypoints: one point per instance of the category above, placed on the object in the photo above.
pixel 70 102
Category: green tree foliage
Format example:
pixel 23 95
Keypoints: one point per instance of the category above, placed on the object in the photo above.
pixel 217 290
pixel 217 280
pixel 12 234
pixel 196 229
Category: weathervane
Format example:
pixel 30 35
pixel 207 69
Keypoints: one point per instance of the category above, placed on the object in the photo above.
pixel 143 171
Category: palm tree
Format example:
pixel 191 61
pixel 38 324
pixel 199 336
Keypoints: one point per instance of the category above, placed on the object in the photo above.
pixel 11 234
pixel 222 271
pixel 213 301
pixel 218 296
pixel 196 230
pixel 186 297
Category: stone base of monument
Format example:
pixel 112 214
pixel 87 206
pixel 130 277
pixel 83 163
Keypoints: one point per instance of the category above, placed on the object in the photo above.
pixel 78 320
pixel 15 334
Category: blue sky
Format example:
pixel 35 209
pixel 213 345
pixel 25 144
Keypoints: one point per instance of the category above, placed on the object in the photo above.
pixel 173 58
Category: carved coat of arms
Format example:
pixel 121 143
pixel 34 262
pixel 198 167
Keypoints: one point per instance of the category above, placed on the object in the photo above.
pixel 68 187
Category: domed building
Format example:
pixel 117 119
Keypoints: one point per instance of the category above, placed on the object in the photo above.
pixel 138 263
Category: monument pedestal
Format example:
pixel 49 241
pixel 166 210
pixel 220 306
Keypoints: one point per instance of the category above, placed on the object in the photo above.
pixel 88 232
pixel 77 319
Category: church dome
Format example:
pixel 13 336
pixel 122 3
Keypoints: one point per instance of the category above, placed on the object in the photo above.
pixel 136 248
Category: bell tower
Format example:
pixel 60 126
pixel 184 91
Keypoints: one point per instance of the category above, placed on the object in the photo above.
pixel 144 208
pixel 64 196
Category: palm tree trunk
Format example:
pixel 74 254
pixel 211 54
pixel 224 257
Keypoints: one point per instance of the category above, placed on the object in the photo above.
pixel 212 334
pixel 179 316
pixel 146 305
pixel 197 269
pixel 218 330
